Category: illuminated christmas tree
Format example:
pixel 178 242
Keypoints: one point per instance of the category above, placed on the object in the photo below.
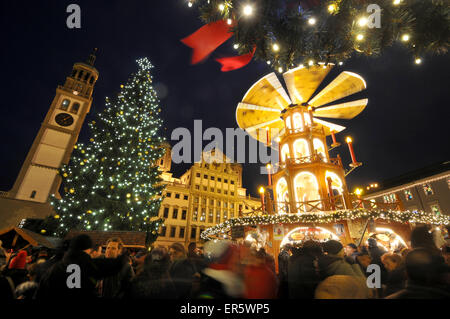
pixel 113 182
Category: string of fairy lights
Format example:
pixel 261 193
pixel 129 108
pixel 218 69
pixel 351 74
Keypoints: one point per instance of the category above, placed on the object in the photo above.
pixel 287 34
pixel 113 182
pixel 411 217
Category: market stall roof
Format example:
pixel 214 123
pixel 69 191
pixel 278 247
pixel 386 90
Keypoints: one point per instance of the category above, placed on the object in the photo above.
pixel 129 238
pixel 18 238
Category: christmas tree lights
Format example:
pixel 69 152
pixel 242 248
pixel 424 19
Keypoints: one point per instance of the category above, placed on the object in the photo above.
pixel 113 182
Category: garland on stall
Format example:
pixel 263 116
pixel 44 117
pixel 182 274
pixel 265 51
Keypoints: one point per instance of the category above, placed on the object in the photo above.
pixel 286 33
pixel 420 217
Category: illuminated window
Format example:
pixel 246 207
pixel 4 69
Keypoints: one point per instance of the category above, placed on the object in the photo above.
pixel 435 209
pixel 195 214
pixel 408 195
pixel 203 216
pixel 427 189
pixel 211 216
pixel 298 123
pixel 288 122
pixel 284 152
pixel 65 104
pixel 301 149
pixel 389 198
pixel 218 217
pixel 320 149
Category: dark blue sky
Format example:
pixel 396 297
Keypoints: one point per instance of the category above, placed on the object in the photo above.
pixel 404 127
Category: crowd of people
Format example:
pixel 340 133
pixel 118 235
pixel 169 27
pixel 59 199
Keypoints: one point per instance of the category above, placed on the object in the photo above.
pixel 223 269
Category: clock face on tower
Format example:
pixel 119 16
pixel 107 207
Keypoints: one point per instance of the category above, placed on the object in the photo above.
pixel 64 119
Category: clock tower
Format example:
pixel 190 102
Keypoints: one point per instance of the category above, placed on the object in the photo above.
pixel 38 178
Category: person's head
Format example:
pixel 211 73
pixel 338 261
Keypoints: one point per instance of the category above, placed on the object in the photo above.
pixel 364 260
pixel 333 247
pixel 372 243
pixel 421 266
pixel 391 261
pixel 422 238
pixel 177 252
pixel 312 248
pixel 350 249
pixel 80 243
pixel 114 247
pixel 192 250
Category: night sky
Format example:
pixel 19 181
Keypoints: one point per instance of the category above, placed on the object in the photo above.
pixel 404 127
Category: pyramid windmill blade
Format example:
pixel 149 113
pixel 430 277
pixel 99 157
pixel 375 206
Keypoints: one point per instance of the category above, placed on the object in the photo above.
pixel 347 83
pixel 250 115
pixel 260 135
pixel 345 111
pixel 303 82
pixel 268 92
pixel 329 127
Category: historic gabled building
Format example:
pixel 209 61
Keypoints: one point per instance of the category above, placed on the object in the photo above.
pixel 209 193
pixel 426 189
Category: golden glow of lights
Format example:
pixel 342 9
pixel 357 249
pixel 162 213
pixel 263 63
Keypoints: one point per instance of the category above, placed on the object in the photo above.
pixel 311 62
pixel 221 7
pixel 248 10
pixel 229 21
pixel 275 47
pixel 363 21
pixel 360 37
pixel 358 191
pixel 128 195
pixel 56 216
pixel 278 139
pixel 312 21
pixel 418 60
pixel 261 190
pixel 396 2
pixel 269 166
pixel 348 139
pixel 405 37
pixel 332 8
pixel 236 46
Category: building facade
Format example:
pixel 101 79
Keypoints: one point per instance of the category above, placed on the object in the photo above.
pixel 426 189
pixel 209 193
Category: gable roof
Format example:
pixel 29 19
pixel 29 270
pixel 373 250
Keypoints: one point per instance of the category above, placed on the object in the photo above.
pixel 18 238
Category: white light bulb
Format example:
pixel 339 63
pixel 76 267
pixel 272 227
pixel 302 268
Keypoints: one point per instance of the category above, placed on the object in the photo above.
pixel 418 60
pixel 312 21
pixel 311 62
pixel 221 7
pixel 189 4
pixel 405 37
pixel 229 21
pixel 280 69
pixel 359 37
pixel 275 47
pixel 248 10
pixel 362 22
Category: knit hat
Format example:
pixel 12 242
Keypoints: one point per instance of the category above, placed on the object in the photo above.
pixel 341 287
pixel 19 261
pixel 81 242
pixel 332 247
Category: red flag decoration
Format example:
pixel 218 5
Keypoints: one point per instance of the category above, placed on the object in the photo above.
pixel 208 38
pixel 235 62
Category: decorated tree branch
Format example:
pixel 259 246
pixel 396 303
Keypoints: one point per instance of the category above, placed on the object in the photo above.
pixel 113 182
pixel 286 33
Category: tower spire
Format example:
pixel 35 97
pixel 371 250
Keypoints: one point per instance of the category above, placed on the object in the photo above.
pixel 92 57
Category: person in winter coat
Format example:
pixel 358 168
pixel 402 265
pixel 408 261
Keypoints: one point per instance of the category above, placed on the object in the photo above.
pixel 341 287
pixel 427 277
pixel 114 286
pixel 221 278
pixel 53 284
pixel 375 253
pixel 334 263
pixel 396 277
pixel 182 270
pixel 283 262
pixel 303 270
pixel 259 279
pixel 17 268
pixel 154 281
